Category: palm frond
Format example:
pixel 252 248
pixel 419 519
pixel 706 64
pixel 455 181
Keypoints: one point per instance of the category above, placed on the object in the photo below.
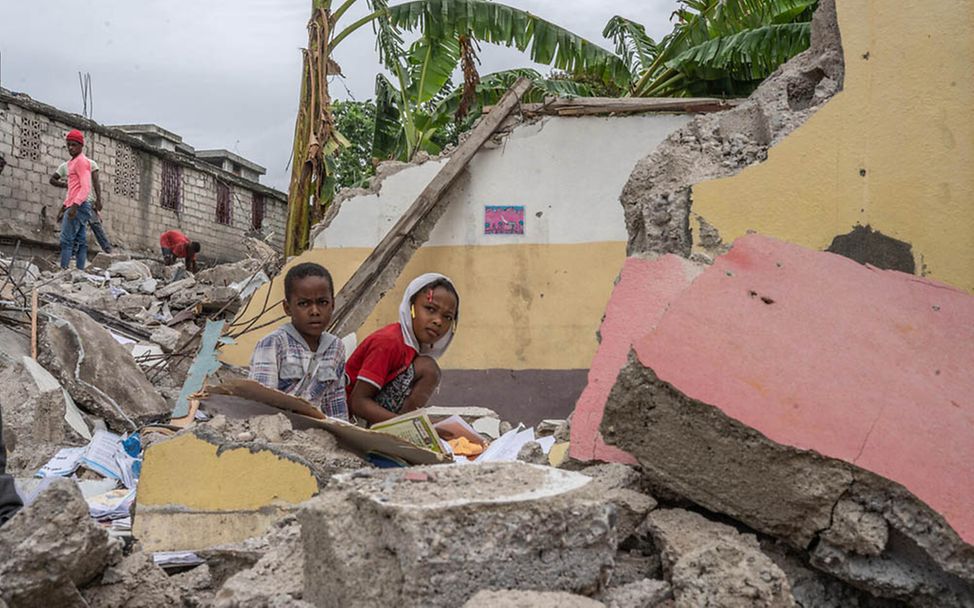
pixel 749 55
pixel 497 23
pixel 431 62
pixel 389 137
pixel 636 48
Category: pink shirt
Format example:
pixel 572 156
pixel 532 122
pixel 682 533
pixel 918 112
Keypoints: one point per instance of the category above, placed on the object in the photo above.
pixel 79 180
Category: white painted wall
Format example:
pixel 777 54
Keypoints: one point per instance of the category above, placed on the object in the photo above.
pixel 566 172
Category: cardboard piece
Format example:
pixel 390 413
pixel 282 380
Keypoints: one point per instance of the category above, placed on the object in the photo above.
pixel 246 398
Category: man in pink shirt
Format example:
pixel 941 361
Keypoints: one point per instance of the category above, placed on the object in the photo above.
pixel 80 176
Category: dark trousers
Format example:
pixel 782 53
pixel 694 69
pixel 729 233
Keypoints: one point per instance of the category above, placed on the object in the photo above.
pixel 9 499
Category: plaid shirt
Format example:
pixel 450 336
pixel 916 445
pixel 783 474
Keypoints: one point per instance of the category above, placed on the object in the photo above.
pixel 283 361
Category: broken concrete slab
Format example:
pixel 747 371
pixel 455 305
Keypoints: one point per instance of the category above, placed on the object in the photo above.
pixel 788 431
pixel 712 564
pixel 167 338
pixel 97 371
pixel 199 489
pixel 530 599
pixel 225 275
pixel 36 410
pixel 130 270
pixel 175 287
pixel 51 548
pixel 639 299
pixel 434 536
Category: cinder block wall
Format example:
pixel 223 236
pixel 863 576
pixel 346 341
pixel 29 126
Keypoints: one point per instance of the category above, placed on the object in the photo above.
pixel 32 142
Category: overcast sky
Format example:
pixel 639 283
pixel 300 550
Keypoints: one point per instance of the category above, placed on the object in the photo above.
pixel 222 73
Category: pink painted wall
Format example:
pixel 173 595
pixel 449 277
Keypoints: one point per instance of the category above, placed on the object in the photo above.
pixel 640 298
pixel 815 351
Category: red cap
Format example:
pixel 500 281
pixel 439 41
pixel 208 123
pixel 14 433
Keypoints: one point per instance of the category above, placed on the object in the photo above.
pixel 76 135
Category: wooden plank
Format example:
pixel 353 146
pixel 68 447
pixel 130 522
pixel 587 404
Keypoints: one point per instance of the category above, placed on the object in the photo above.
pixel 33 324
pixel 379 272
pixel 579 106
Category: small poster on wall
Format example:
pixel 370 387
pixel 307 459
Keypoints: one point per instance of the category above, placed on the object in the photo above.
pixel 504 219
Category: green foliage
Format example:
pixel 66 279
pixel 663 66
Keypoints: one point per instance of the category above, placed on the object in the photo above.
pixel 496 23
pixel 636 49
pixel 723 47
pixel 356 121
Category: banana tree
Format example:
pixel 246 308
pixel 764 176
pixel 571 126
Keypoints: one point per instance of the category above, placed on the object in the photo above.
pixel 417 79
pixel 717 47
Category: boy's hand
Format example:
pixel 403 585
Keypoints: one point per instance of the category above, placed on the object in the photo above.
pixel 97 204
pixel 72 212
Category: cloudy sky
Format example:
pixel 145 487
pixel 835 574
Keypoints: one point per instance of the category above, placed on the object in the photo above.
pixel 222 73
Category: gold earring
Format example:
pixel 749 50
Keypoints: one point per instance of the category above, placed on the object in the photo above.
pixel 412 311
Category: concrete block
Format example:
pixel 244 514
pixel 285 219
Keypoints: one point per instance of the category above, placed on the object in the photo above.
pixel 434 536
pixel 199 490
pixel 645 593
pixel 51 548
pixel 711 564
pixel 97 371
pixel 784 380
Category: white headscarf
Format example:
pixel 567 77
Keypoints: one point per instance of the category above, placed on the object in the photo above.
pixel 406 319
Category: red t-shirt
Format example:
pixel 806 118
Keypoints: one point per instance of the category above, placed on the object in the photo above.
pixel 176 241
pixel 379 358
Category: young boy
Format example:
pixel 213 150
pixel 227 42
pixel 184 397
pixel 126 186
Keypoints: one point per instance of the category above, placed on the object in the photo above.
pixel 175 244
pixel 301 358
pixel 80 176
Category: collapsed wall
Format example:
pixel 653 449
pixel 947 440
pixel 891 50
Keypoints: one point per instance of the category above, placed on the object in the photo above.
pixel 764 393
pixel 656 199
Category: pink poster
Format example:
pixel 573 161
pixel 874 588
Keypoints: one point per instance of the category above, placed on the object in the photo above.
pixel 504 219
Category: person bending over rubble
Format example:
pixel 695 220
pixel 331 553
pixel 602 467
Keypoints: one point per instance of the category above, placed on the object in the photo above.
pixel 301 358
pixel 174 245
pixel 394 370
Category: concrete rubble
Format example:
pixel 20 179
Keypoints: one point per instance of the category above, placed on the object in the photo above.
pixel 709 461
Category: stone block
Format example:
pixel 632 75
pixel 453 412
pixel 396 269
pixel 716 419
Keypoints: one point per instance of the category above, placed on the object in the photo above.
pixel 645 593
pixel 130 270
pixel 51 548
pixel 434 536
pixel 98 372
pixel 176 286
pixel 712 564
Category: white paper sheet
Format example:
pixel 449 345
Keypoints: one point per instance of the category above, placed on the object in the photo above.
pixel 63 464
pixel 100 454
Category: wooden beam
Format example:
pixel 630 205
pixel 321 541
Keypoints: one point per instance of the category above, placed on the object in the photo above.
pixel 379 272
pixel 33 324
pixel 579 106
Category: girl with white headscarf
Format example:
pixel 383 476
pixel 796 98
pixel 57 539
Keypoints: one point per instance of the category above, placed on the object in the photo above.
pixel 394 370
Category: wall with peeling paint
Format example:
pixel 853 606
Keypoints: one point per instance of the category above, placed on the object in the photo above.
pixel 532 302
pixel 894 150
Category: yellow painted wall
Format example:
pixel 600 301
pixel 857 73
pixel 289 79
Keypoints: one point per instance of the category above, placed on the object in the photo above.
pixel 187 471
pixel 905 116
pixel 522 306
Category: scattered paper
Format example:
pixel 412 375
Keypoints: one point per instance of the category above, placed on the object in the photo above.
pixel 114 504
pixel 507 446
pixel 64 463
pixel 100 454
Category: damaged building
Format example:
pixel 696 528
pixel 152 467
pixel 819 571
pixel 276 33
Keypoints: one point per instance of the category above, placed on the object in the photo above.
pixel 151 182
pixel 748 384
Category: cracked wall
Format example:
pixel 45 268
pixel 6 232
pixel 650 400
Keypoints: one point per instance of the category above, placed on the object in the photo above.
pixel 892 151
